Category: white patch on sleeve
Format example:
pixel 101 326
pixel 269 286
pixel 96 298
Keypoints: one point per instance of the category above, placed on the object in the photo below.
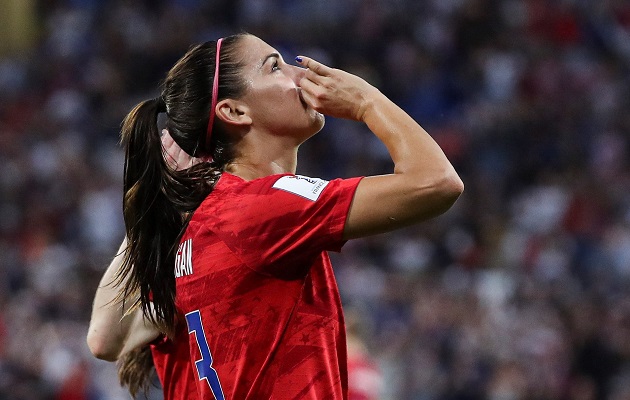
pixel 304 186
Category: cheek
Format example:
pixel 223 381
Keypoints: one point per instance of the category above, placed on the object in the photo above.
pixel 276 104
pixel 280 102
pixel 271 95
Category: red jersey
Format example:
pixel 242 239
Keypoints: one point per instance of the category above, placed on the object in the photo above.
pixel 256 285
pixel 172 366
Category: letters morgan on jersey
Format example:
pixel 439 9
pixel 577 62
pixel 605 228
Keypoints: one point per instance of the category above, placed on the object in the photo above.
pixel 183 259
pixel 309 188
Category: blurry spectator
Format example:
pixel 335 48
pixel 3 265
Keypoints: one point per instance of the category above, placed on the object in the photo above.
pixel 365 381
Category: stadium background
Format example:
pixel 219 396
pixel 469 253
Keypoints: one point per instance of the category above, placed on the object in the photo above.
pixel 519 292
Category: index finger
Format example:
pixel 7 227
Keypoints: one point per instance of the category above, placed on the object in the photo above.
pixel 315 66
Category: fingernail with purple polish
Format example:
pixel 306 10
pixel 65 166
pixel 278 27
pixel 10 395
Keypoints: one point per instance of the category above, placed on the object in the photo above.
pixel 298 59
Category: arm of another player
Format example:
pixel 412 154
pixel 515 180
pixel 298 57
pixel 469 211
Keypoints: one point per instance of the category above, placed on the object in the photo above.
pixel 175 157
pixel 112 333
pixel 424 183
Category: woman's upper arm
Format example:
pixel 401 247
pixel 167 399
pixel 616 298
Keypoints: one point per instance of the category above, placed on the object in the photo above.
pixel 387 202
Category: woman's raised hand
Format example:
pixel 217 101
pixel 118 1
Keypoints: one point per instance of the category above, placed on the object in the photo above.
pixel 424 183
pixel 335 92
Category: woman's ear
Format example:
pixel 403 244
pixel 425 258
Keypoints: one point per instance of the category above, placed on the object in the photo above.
pixel 233 112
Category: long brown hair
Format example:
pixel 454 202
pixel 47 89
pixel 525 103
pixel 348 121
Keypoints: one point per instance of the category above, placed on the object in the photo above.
pixel 158 200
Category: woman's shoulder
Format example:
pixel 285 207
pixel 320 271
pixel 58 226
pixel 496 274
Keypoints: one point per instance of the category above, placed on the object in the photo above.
pixel 233 199
pixel 233 184
pixel 232 190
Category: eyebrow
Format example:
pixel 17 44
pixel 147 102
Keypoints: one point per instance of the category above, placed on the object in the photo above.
pixel 272 55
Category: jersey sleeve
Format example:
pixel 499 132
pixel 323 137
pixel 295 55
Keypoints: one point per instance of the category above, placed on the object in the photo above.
pixel 285 219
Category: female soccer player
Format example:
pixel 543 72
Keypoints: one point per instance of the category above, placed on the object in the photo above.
pixel 248 238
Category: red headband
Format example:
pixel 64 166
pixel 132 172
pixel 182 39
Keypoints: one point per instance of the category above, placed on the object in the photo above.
pixel 215 92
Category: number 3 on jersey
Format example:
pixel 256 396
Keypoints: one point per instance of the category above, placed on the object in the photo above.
pixel 204 365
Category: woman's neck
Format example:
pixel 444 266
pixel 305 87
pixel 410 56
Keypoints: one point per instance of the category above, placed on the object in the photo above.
pixel 260 158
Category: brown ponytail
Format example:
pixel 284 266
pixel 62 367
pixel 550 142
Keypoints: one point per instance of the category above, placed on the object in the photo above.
pixel 152 221
pixel 135 369
pixel 157 200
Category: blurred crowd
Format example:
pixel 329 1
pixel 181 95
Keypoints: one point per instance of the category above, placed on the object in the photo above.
pixel 521 291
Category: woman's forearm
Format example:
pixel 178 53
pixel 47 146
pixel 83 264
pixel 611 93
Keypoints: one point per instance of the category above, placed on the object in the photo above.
pixel 412 149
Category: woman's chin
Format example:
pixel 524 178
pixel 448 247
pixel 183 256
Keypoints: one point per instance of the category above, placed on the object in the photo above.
pixel 318 120
pixel 316 125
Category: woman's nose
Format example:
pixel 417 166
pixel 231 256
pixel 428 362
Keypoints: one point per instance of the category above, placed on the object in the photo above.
pixel 297 73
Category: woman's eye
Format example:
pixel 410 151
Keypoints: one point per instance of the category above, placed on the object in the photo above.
pixel 275 66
